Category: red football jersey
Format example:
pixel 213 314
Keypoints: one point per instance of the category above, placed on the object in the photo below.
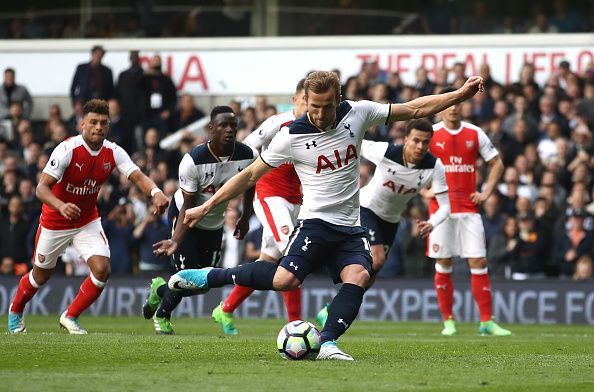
pixel 282 181
pixel 458 150
pixel 80 172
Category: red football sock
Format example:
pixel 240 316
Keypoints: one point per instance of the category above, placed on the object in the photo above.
pixel 88 293
pixel 481 290
pixel 24 293
pixel 445 293
pixel 235 298
pixel 293 303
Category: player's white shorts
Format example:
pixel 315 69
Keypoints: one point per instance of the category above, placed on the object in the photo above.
pixel 461 235
pixel 88 240
pixel 278 217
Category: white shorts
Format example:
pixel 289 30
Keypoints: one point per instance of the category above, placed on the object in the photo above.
pixel 461 235
pixel 278 217
pixel 88 240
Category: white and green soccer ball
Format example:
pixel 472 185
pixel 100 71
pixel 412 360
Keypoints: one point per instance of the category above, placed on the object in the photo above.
pixel 298 340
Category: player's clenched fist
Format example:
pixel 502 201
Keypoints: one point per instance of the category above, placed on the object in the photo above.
pixel 69 211
pixel 473 85
pixel 195 215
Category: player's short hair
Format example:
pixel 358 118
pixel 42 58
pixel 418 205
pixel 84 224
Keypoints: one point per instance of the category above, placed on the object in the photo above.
pixel 420 124
pixel 218 110
pixel 447 89
pixel 9 70
pixel 321 82
pixel 98 106
pixel 300 86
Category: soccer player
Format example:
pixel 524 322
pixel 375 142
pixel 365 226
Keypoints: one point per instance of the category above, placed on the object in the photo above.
pixel 202 172
pixel 68 189
pixel 324 145
pixel 402 171
pixel 458 144
pixel 277 202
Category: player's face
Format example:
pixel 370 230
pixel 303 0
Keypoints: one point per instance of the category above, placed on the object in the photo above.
pixel 416 145
pixel 453 114
pixel 300 103
pixel 322 107
pixel 94 128
pixel 224 129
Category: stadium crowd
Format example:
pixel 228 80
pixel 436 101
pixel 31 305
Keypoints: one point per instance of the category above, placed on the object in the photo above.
pixel 346 17
pixel 539 223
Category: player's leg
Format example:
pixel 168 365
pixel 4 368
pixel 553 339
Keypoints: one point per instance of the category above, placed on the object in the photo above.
pixel 352 266
pixel 49 244
pixel 91 243
pixel 474 249
pixel 442 247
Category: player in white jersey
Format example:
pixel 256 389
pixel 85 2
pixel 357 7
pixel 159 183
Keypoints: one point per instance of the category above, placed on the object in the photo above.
pixel 401 172
pixel 324 145
pixel 277 202
pixel 202 172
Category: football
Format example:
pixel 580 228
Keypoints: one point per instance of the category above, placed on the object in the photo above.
pixel 298 340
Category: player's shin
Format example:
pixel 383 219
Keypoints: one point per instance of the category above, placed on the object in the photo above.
pixel 293 303
pixel 342 311
pixel 481 290
pixel 257 275
pixel 444 289
pixel 25 291
pixel 89 291
pixel 236 298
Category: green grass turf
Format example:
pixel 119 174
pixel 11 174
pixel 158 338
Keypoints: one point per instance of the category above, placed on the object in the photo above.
pixel 125 354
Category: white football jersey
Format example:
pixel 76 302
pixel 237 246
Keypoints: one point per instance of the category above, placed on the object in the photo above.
pixel 203 173
pixel 327 162
pixel 261 137
pixel 393 183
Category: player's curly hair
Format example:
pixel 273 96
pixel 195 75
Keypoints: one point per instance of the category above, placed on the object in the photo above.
pixel 98 106
pixel 321 82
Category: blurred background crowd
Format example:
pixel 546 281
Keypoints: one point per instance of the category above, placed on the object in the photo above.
pixel 539 224
pixel 212 18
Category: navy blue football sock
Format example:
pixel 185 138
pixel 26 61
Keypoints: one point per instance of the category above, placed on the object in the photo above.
pixel 342 311
pixel 170 299
pixel 257 275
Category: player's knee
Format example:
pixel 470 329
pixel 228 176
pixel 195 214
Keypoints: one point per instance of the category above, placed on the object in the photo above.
pixel 356 275
pixel 480 262
pixel 285 282
pixel 102 272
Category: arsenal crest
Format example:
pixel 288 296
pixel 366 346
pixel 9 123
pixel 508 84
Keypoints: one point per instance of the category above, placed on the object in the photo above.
pixel 470 144
pixel 106 166
pixel 285 229
pixel 436 247
pixel 41 257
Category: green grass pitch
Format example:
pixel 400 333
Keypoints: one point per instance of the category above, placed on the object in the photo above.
pixel 124 354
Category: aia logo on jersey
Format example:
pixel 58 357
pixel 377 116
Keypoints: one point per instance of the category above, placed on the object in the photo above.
pixel 106 166
pixel 325 163
pixel 398 188
pixel 470 144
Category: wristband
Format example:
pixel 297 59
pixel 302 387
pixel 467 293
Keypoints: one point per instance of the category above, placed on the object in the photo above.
pixel 154 191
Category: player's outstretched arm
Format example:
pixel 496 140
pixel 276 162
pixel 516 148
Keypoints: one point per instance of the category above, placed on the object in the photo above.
pixel 44 193
pixel 149 188
pixel 241 182
pixel 431 104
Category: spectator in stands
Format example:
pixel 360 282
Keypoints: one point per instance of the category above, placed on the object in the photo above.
pixel 93 79
pixel 128 92
pixel 149 231
pixel 573 243
pixel 424 85
pixel 503 248
pixel 187 113
pixel 7 266
pixel 13 232
pixel 541 25
pixel 416 262
pixel 159 97
pixel 120 132
pixel 532 250
pixel 492 218
pixel 253 243
pixel 583 268
pixel 119 227
pixel 13 92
